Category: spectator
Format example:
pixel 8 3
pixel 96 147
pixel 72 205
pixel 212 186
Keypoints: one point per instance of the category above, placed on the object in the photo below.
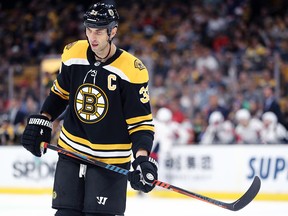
pixel 256 53
pixel 15 114
pixel 7 134
pixel 271 103
pixel 214 105
pixel 206 62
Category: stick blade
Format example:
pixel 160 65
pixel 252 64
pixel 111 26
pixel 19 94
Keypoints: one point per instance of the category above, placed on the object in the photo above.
pixel 248 196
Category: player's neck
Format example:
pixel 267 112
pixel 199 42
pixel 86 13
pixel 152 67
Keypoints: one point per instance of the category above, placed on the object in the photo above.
pixel 108 53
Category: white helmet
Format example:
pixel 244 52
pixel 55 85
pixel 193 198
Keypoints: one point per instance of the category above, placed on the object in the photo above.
pixel 216 117
pixel 269 117
pixel 242 114
pixel 164 114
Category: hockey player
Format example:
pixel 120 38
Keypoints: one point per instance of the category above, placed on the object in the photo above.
pixel 108 115
pixel 247 129
pixel 272 131
pixel 218 131
pixel 166 132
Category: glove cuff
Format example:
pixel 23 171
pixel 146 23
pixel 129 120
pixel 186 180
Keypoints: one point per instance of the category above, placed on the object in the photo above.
pixel 41 120
pixel 141 159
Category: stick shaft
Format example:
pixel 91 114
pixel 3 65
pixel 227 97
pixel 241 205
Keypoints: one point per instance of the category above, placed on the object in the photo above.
pixel 235 206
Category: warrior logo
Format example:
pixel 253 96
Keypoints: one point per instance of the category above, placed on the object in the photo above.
pixel 91 103
pixel 101 200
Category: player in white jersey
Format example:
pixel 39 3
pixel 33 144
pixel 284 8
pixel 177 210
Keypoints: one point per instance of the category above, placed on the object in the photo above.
pixel 272 131
pixel 218 131
pixel 247 129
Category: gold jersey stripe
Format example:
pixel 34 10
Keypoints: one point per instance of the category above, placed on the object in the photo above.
pixel 105 160
pixel 95 153
pixel 59 94
pixel 93 146
pixel 142 127
pixel 138 119
pixel 59 91
pixel 64 92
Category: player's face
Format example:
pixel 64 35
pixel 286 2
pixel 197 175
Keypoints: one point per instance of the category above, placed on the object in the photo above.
pixel 98 40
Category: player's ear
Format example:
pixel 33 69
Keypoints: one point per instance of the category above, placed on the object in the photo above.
pixel 113 32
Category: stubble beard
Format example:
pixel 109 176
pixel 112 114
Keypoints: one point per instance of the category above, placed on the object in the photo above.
pixel 101 51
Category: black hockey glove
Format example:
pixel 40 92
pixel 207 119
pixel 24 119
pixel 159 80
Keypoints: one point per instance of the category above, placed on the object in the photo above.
pixel 144 174
pixel 37 130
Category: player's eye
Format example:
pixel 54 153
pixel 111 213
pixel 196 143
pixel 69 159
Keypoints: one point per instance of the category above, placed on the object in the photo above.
pixel 99 32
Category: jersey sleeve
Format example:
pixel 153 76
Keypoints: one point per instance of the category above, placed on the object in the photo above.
pixel 136 106
pixel 57 100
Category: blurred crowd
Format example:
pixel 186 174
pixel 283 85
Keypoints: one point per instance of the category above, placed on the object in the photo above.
pixel 218 68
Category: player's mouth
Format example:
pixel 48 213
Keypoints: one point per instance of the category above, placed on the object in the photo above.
pixel 94 45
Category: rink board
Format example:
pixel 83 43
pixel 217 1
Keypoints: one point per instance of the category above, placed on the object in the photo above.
pixel 223 172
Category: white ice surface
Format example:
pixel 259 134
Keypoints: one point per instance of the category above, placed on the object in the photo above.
pixel 40 205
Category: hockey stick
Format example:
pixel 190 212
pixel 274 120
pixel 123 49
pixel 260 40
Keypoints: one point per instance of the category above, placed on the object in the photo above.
pixel 244 200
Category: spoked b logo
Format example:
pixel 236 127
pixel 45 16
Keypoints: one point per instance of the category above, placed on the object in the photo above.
pixel 91 103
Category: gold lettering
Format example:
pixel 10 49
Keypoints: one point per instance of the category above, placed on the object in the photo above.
pixel 145 94
pixel 110 79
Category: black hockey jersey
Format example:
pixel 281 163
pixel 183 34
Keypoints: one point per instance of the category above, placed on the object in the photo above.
pixel 107 103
